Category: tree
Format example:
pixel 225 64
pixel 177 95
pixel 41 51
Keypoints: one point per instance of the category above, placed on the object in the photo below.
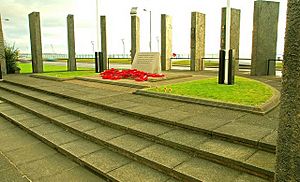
pixel 288 143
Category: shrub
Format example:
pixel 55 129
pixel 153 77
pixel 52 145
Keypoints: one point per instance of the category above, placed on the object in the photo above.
pixel 11 57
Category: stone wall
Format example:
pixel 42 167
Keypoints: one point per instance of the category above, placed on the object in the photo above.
pixel 166 42
pixel 264 37
pixel 36 42
pixel 197 41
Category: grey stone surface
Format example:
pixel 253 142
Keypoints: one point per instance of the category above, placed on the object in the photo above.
pixel 185 137
pixel 36 42
pixel 288 150
pixel 204 170
pixel 130 142
pixel 106 160
pixel 136 172
pixel 47 129
pixel 63 137
pixel 264 38
pixel 163 155
pixel 47 166
pixel 12 174
pixel 81 148
pixel 71 64
pixel 172 115
pixel 151 128
pixel 264 160
pixel 104 41
pixel 234 33
pixel 166 42
pixel 2 53
pixel 135 36
pixel 197 41
pixel 249 178
pixel 30 153
pixel 84 125
pixel 105 133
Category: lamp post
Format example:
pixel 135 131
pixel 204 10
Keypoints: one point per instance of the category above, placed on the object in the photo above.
pixel 157 39
pixel 150 42
pixel 123 47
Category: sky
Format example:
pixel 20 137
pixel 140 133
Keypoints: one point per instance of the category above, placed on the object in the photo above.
pixel 54 29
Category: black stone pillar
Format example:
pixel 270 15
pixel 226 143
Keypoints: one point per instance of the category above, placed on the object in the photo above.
pixel 231 67
pixel 221 67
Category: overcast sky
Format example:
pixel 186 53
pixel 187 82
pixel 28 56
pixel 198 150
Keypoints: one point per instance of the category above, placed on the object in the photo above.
pixel 54 31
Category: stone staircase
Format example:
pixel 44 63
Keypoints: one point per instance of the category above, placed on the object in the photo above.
pixel 125 145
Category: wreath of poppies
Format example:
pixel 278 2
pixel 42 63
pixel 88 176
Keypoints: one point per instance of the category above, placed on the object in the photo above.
pixel 137 75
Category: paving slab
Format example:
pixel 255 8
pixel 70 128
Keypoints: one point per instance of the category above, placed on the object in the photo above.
pixel 171 115
pixel 207 171
pixel 204 122
pixel 67 118
pixel 4 163
pixel 77 174
pixel 258 120
pixel 185 137
pixel 33 122
pixel 84 125
pixel 263 159
pixel 124 104
pixel 126 121
pixel 249 178
pixel 4 125
pixel 50 165
pixel 12 174
pixel 104 114
pixel 105 160
pixel 136 172
pixel 271 139
pixel 131 143
pixel 228 150
pixel 152 128
pixel 59 138
pixel 81 147
pixel 152 101
pixel 194 108
pixel 243 131
pixel 145 109
pixel 105 133
pixel 30 153
pixel 20 117
pixel 47 129
pixel 163 155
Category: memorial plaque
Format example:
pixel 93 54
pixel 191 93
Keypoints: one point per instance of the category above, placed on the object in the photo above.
pixel 147 61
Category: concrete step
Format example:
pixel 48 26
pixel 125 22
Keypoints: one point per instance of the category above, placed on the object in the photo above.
pixel 25 158
pixel 98 158
pixel 226 153
pixel 262 139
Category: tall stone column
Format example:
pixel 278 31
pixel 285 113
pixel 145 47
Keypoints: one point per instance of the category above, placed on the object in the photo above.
pixel 197 41
pixel 71 44
pixel 135 35
pixel 288 143
pixel 2 52
pixel 166 42
pixel 104 41
pixel 234 33
pixel 264 37
pixel 36 42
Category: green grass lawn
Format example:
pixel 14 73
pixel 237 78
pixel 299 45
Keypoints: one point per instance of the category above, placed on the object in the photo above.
pixel 244 91
pixel 27 68
pixel 70 74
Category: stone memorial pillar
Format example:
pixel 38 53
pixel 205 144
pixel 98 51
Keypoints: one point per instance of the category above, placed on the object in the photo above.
pixel 264 37
pixel 36 42
pixel 166 42
pixel 234 33
pixel 197 41
pixel 2 52
pixel 71 44
pixel 104 42
pixel 135 35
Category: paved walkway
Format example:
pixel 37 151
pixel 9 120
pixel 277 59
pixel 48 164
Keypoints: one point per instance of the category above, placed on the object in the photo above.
pixel 25 158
